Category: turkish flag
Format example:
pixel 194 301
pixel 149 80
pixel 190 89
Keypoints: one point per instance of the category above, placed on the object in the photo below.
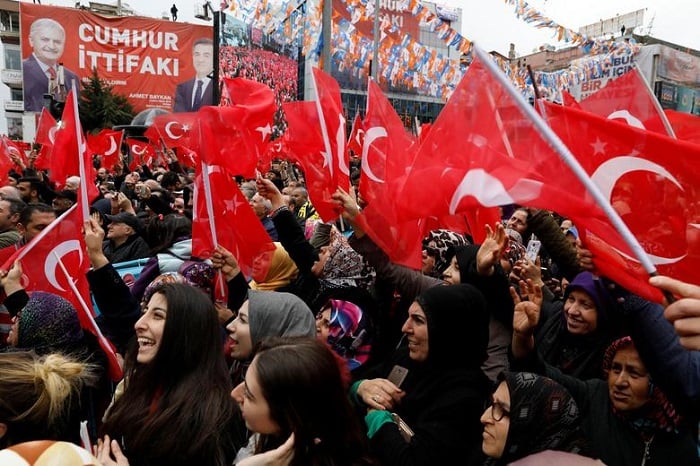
pixel 9 149
pixel 332 123
pixel 69 151
pixel 386 152
pixel 55 261
pixel 276 149
pixel 655 194
pixel 685 126
pixel 627 98
pixel 107 143
pixel 236 136
pixel 187 157
pixel 232 223
pixel 423 130
pixel 305 142
pixel 174 129
pixel 484 150
pixel 221 139
pixel 45 135
pixel 142 153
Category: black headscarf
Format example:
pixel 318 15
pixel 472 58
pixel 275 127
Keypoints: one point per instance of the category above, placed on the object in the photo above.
pixel 543 416
pixel 458 324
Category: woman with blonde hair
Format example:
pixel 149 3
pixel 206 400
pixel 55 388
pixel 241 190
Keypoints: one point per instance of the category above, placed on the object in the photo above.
pixel 39 397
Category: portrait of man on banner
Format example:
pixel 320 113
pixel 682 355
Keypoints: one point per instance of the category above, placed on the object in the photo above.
pixel 42 70
pixel 192 94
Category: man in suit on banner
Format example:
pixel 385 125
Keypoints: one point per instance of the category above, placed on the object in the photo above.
pixel 192 94
pixel 48 39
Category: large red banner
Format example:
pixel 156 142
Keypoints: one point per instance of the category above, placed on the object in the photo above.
pixel 144 59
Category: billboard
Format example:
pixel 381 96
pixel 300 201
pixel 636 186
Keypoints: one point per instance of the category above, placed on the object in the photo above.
pixel 144 59
pixel 248 52
pixel 399 54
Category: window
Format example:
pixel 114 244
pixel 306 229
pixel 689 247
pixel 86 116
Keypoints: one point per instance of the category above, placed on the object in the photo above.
pixel 16 94
pixel 14 128
pixel 13 59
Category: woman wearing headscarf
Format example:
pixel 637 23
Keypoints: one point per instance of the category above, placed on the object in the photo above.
pixel 336 266
pixel 442 394
pixel 627 417
pixel 170 239
pixel 572 335
pixel 280 274
pixel 479 265
pixel 529 414
pixel 347 329
pixel 265 314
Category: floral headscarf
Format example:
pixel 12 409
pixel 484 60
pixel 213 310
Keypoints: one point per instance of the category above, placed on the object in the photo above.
pixel 658 414
pixel 345 266
pixel 350 332
pixel 439 244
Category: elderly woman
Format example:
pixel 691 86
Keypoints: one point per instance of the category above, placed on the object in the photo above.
pixel 530 414
pixel 627 418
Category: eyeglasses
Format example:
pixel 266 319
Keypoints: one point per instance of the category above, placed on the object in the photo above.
pixel 498 411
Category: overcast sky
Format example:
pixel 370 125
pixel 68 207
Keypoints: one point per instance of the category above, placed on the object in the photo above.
pixel 493 25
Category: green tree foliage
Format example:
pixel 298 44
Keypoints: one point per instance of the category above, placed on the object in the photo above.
pixel 101 108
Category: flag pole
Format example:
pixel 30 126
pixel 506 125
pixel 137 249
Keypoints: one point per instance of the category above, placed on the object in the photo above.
pixel 210 214
pixel 657 105
pixel 568 158
pixel 104 343
pixel 84 201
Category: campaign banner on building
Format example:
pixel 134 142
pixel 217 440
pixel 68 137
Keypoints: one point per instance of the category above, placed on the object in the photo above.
pixel 154 63
pixel 352 45
pixel 679 66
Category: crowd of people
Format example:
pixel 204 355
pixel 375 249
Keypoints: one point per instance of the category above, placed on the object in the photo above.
pixel 336 355
pixel 276 70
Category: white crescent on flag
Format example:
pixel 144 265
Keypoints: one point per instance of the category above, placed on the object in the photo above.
pixel 112 146
pixel 135 149
pixel 490 192
pixel 57 254
pixel 371 134
pixel 169 131
pixel 628 117
pixel 340 144
pixel 606 176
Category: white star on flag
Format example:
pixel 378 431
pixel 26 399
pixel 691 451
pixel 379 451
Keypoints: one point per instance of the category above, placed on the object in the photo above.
pixel 598 146
pixel 265 131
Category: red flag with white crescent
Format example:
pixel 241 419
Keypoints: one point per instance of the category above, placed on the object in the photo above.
pixel 55 261
pixel 232 220
pixel 107 143
pixel 654 194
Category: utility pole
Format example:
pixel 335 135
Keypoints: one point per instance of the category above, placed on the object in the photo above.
pixel 375 33
pixel 326 34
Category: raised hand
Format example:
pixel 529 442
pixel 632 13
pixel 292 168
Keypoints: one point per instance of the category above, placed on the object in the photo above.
pixel 684 313
pixel 526 316
pixel 491 249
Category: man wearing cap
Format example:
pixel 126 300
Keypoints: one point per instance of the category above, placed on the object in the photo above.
pixel 63 201
pixel 123 240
